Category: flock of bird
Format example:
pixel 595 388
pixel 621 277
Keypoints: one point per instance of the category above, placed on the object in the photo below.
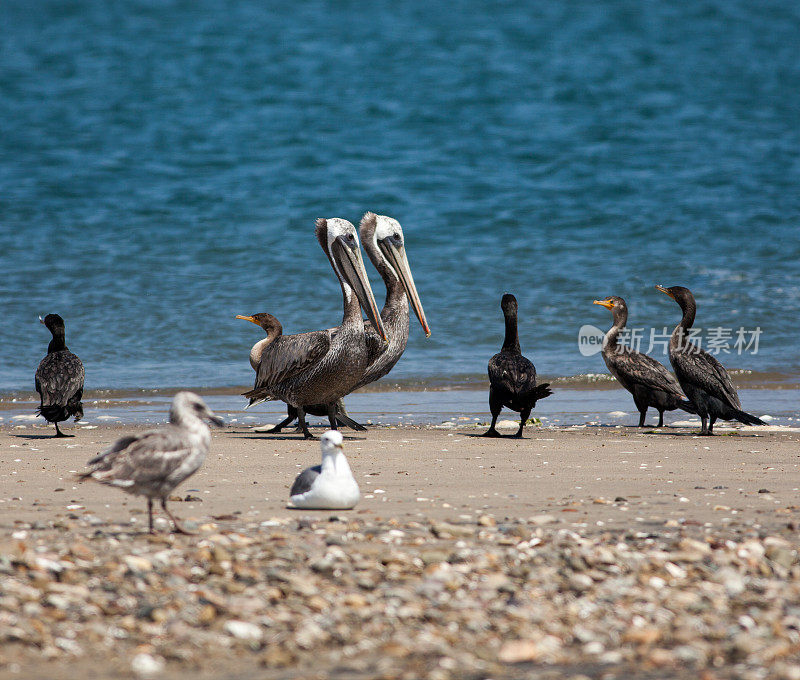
pixel 312 373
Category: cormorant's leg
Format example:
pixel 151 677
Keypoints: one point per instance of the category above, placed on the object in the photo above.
pixel 642 416
pixel 291 414
pixel 523 418
pixel 178 528
pixel 150 514
pixel 495 406
pixel 660 419
pixel 301 417
pixel 59 433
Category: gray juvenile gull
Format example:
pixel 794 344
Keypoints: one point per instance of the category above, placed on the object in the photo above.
pixel 153 463
pixel 59 378
pixel 330 485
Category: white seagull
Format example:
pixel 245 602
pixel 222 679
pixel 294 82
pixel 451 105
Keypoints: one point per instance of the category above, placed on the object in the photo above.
pixel 330 485
pixel 153 463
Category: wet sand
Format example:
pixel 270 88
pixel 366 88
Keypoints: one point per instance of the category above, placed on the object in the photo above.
pixel 447 520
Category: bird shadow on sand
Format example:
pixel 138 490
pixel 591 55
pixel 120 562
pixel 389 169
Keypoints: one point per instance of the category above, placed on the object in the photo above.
pixel 288 437
pixel 41 436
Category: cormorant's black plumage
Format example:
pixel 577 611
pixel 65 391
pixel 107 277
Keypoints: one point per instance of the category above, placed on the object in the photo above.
pixel 59 378
pixel 645 378
pixel 512 377
pixel 704 380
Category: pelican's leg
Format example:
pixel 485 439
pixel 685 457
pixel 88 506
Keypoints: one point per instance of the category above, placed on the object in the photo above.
pixel 332 416
pixel 660 419
pixel 642 416
pixel 301 417
pixel 713 419
pixel 178 528
pixel 59 433
pixel 704 426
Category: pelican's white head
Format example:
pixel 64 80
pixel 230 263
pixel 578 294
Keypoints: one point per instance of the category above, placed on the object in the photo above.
pixel 331 443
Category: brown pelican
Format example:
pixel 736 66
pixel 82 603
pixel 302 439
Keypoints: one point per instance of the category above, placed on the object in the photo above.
pixel 512 378
pixel 322 366
pixel 153 463
pixel 59 378
pixel 645 378
pixel 703 379
pixel 382 238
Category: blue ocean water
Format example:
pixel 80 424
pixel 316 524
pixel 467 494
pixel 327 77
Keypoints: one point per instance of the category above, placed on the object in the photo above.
pixel 162 164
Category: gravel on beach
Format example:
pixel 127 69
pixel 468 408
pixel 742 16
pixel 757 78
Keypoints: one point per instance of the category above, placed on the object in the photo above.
pixel 328 595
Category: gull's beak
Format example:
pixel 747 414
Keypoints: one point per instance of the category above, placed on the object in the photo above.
pixel 349 263
pixel 247 318
pixel 604 303
pixel 665 291
pixel 396 255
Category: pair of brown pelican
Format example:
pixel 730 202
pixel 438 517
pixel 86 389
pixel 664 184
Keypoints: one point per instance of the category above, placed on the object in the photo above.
pixel 702 378
pixel 313 371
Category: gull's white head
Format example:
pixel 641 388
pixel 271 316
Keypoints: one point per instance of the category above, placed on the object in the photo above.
pixel 331 442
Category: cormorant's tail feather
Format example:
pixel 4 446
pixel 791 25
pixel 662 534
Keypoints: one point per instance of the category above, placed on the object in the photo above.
pixel 543 391
pixel 686 405
pixel 347 421
pixel 746 418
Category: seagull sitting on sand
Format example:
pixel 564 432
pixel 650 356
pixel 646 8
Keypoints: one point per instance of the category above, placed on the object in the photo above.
pixel 153 463
pixel 329 486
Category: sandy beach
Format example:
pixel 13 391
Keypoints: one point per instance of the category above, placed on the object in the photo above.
pixel 583 551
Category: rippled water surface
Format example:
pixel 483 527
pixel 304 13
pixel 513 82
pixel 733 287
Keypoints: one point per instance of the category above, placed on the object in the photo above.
pixel 162 163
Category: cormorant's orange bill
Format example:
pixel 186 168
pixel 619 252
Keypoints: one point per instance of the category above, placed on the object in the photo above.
pixel 604 303
pixel 665 291
pixel 247 318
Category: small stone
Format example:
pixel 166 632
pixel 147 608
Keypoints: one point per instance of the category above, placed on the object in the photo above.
pixel 243 630
pixel 146 665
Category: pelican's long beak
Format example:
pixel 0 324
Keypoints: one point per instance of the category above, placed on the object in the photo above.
pixel 604 303
pixel 349 262
pixel 665 291
pixel 396 255
pixel 247 318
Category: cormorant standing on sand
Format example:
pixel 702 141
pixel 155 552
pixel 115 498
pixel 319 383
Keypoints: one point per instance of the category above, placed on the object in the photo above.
pixel 512 378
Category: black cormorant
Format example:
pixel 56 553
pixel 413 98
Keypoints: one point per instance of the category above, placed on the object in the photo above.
pixel 512 378
pixel 703 379
pixel 59 378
